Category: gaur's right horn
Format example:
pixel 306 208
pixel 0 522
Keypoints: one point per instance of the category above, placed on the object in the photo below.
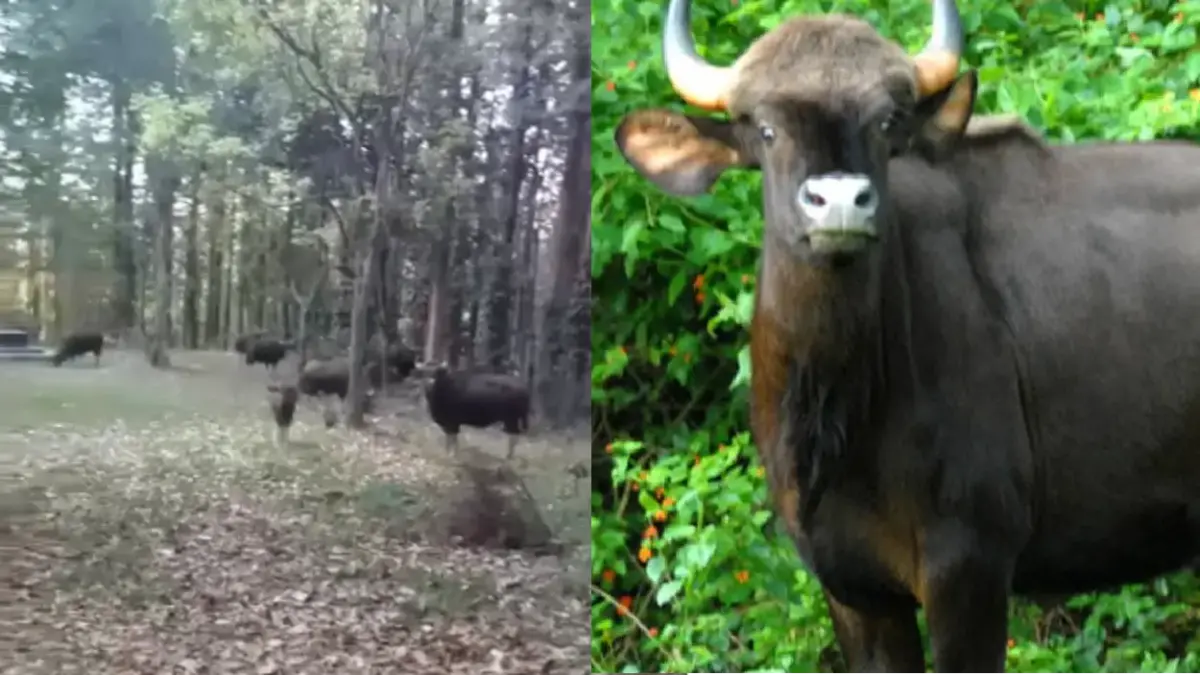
pixel 937 64
pixel 695 80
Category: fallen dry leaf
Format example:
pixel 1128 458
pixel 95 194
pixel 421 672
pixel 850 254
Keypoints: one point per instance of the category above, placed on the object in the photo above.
pixel 148 524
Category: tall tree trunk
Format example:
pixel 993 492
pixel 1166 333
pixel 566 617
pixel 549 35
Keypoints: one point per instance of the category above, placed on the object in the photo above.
pixel 499 316
pixel 124 260
pixel 165 183
pixel 191 268
pixel 560 395
pixel 216 264
pixel 440 324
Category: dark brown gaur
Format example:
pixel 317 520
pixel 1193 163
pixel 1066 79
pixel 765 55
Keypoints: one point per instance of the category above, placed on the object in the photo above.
pixel 976 357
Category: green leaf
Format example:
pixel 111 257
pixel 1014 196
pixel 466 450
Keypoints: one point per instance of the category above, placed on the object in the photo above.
pixel 655 568
pixel 667 592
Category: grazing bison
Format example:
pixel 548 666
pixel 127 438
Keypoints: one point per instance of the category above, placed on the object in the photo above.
pixel 282 399
pixel 975 356
pixel 78 344
pixel 243 342
pixel 458 399
pixel 267 351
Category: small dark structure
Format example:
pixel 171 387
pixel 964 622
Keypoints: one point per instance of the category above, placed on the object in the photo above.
pixel 458 399
pixel 282 399
pixel 399 359
pixel 19 344
pixel 267 351
pixel 78 344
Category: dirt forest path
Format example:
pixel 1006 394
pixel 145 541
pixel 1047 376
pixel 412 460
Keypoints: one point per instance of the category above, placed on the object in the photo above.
pixel 149 524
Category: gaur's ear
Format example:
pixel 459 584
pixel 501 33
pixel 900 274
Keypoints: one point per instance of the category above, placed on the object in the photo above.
pixel 681 154
pixel 940 120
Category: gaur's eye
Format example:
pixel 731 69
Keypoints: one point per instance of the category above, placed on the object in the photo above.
pixel 766 133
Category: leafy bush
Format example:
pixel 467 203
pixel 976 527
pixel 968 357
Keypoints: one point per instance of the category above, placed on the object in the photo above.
pixel 689 573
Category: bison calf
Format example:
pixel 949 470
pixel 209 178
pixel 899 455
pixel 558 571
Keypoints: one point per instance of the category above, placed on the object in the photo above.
pixel 266 351
pixel 78 344
pixel 458 399
pixel 282 398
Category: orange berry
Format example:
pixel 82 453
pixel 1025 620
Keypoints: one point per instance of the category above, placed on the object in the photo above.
pixel 623 604
pixel 1194 94
pixel 742 576
pixel 608 448
pixel 633 486
pixel 632 64
pixel 650 532
pixel 698 282
pixel 1011 643
pixel 745 278
pixel 668 502
pixel 644 555
pixel 659 492
pixel 652 632
pixel 660 515
pixel 608 576
pixel 610 85
pixel 697 459
pixel 699 297
pixel 1134 37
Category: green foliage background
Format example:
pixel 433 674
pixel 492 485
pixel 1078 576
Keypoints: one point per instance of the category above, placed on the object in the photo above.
pixel 689 573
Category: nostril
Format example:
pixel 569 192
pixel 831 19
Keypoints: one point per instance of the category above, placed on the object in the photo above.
pixel 811 198
pixel 865 198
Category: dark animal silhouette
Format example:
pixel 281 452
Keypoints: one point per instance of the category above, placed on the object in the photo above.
pixel 400 361
pixel 458 399
pixel 78 344
pixel 267 351
pixel 326 377
pixel 243 342
pixel 975 355
pixel 282 399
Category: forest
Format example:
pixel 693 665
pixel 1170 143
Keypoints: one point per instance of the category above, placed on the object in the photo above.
pixel 326 267
pixel 181 173
pixel 689 571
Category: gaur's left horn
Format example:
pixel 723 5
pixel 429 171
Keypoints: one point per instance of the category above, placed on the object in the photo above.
pixel 937 64
pixel 695 80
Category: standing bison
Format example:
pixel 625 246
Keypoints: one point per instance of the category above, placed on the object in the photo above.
pixel 975 361
pixel 75 345
pixel 267 351
pixel 473 399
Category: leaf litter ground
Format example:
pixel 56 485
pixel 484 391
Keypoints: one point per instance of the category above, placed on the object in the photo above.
pixel 149 524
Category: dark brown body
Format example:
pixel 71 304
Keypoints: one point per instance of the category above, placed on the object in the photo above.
pixel 244 341
pixel 400 361
pixel 321 378
pixel 458 399
pixel 77 344
pixel 976 358
pixel 267 351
